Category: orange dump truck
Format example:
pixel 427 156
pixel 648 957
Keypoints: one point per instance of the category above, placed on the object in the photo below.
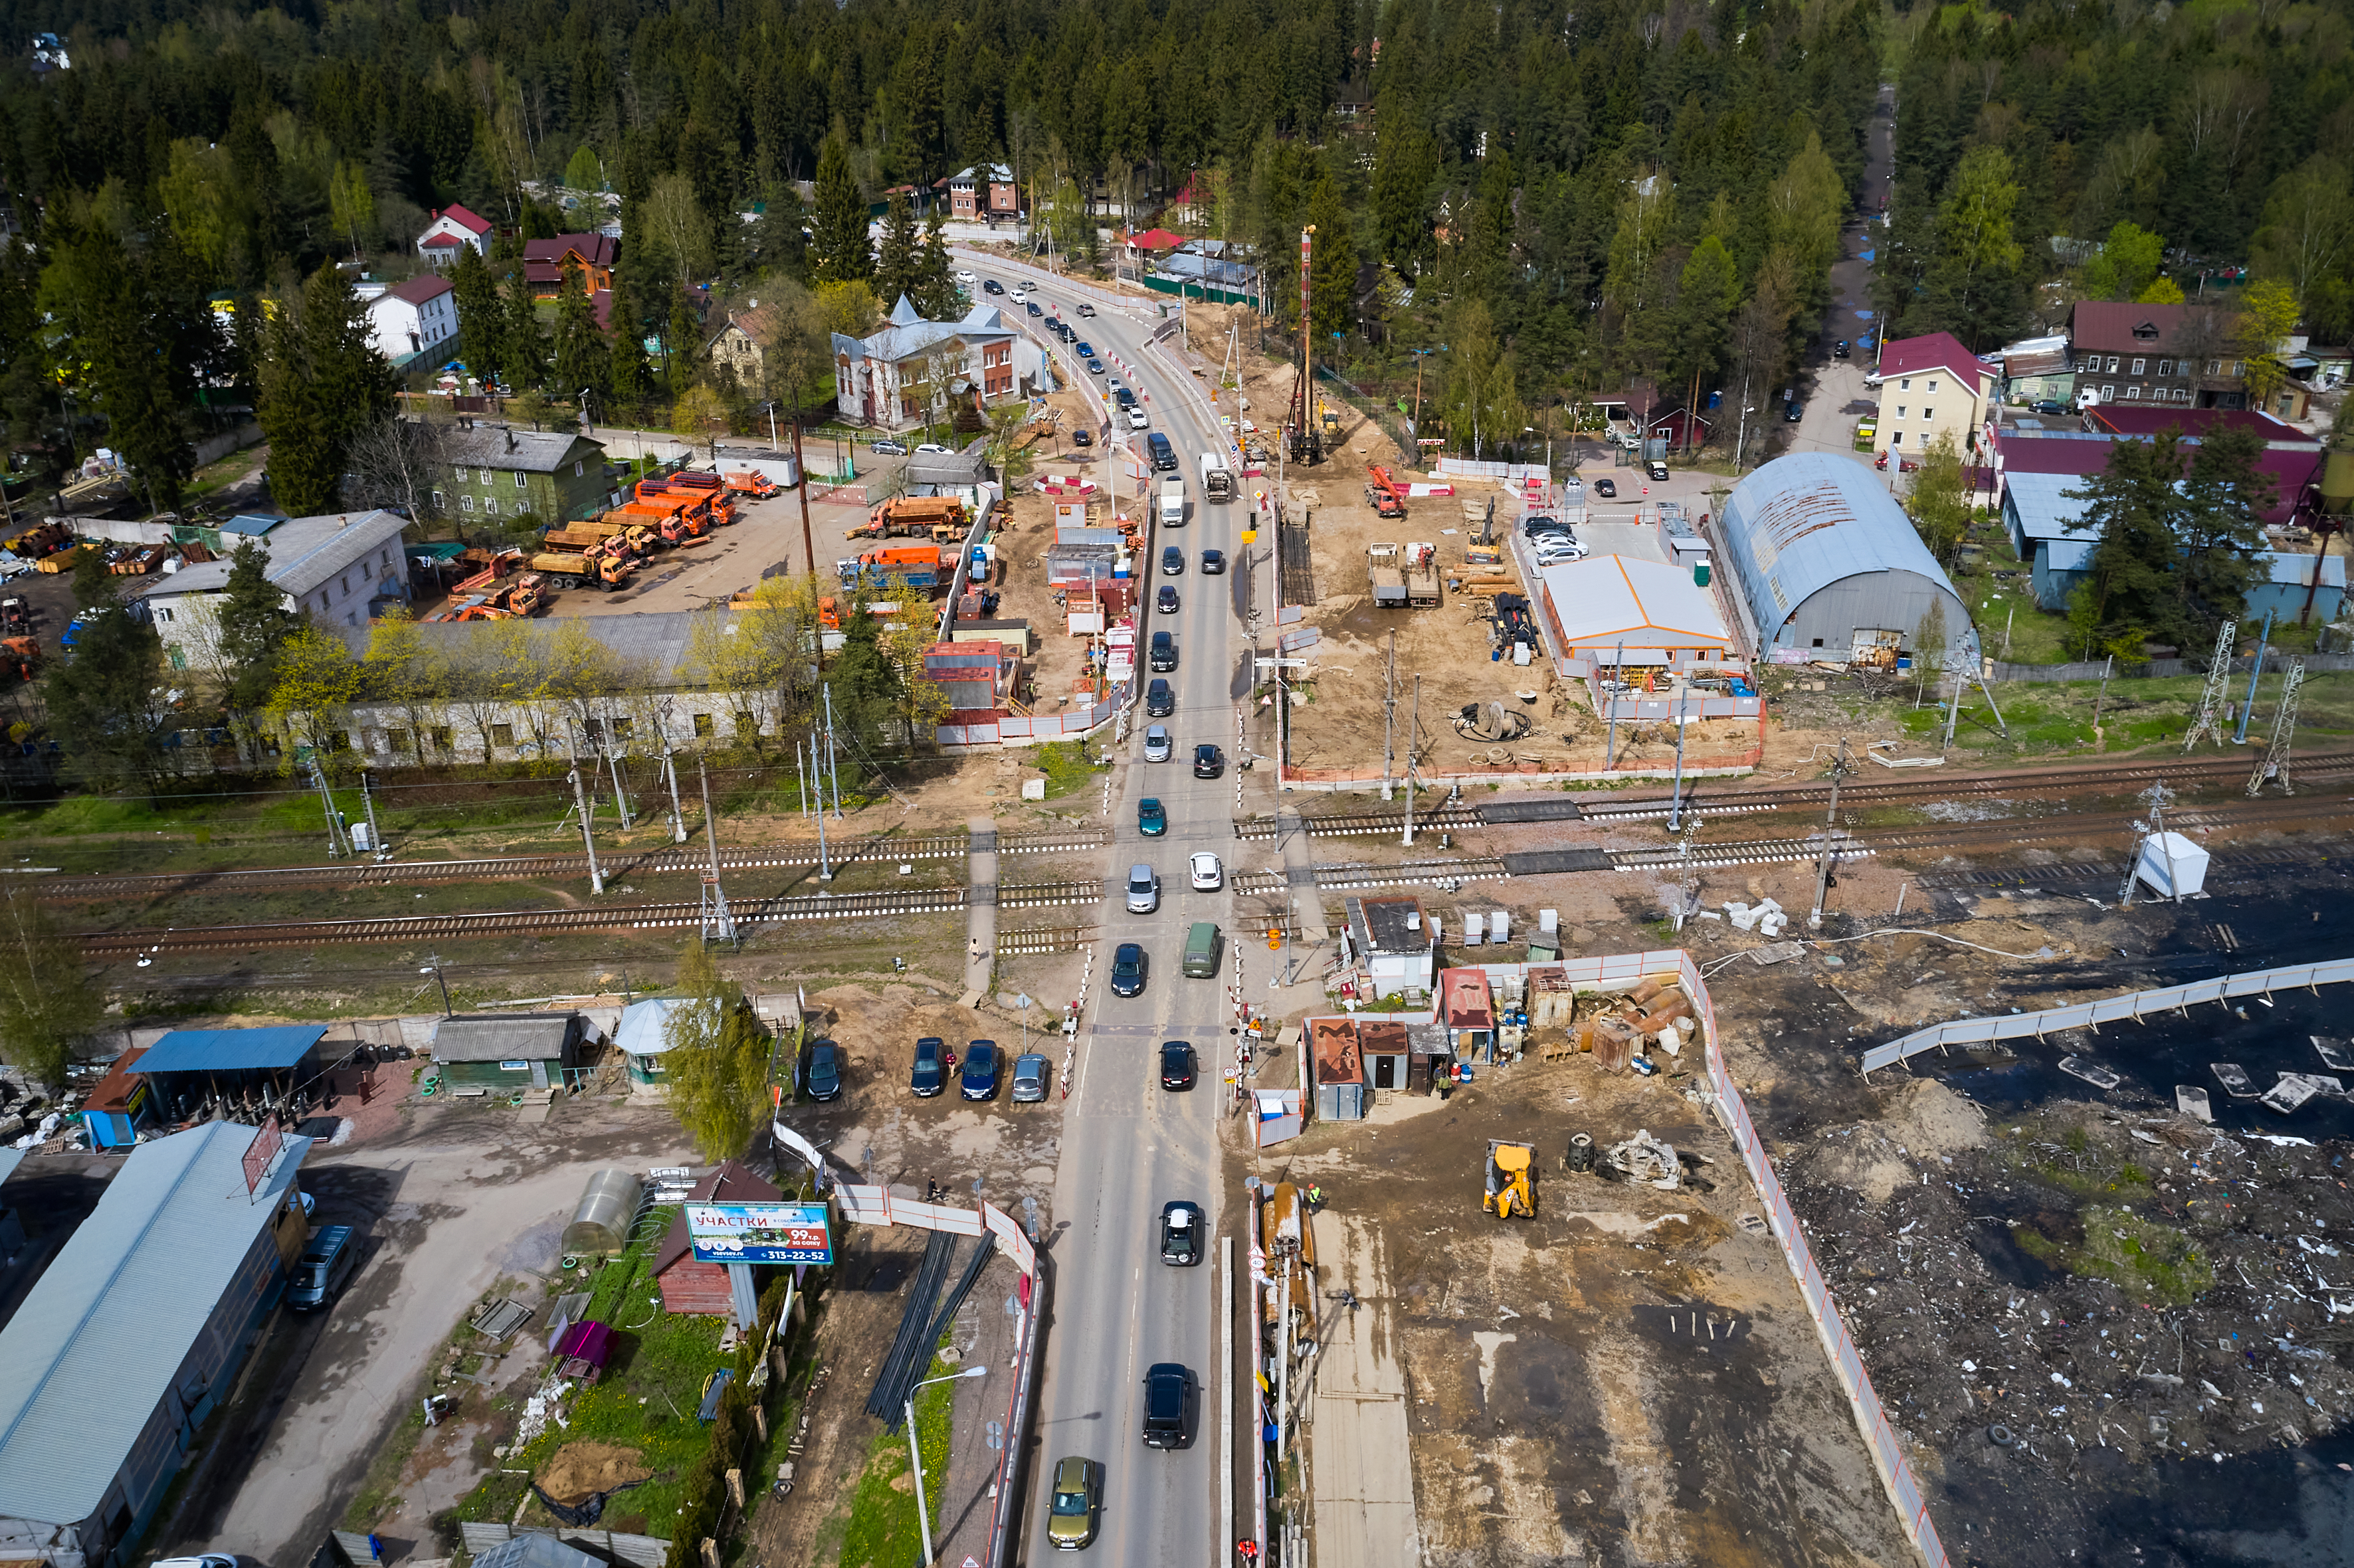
pixel 915 514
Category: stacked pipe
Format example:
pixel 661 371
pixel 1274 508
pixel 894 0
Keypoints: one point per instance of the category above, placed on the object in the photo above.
pixel 911 1351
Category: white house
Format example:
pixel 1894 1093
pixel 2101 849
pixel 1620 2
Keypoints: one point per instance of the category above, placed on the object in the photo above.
pixel 1393 945
pixel 415 318
pixel 453 226
pixel 331 568
pixel 891 378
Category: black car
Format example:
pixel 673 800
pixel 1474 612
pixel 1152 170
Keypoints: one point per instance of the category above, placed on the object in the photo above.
pixel 1162 656
pixel 978 1080
pixel 1839 349
pixel 1095 367
pixel 991 286
pixel 1176 1065
pixel 1085 349
pixel 1181 1234
pixel 1170 1395
pixel 1606 488
pixel 821 1071
pixel 1212 562
pixel 1083 437
pixel 1159 702
pixel 2049 406
pixel 1790 412
pixel 1208 761
pixel 930 1074
pixel 1123 397
pixel 1173 561
pixel 1127 970
pixel 1165 602
pixel 1031 306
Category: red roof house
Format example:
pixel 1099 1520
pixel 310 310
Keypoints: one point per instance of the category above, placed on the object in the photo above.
pixel 451 228
pixel 544 261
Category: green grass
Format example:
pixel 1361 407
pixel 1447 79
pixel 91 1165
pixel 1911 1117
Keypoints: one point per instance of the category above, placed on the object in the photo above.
pixel 2145 1259
pixel 881 1531
pixel 1065 765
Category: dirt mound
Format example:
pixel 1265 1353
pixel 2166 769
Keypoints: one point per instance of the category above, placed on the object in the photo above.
pixel 1925 1124
pixel 580 1468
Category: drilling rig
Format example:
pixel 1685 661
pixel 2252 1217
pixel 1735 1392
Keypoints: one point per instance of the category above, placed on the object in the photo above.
pixel 1299 425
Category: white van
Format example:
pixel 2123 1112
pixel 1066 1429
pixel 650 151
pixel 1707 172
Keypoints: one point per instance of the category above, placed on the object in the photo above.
pixel 1173 502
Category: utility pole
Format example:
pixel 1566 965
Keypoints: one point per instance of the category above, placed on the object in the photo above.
pixel 375 834
pixel 613 765
pixel 2159 797
pixel 1676 802
pixel 824 866
pixel 2256 674
pixel 833 766
pixel 718 922
pixel 800 766
pixel 1831 820
pixel 809 545
pixel 2274 764
pixel 670 776
pixel 1413 729
pixel 1618 678
pixel 2210 719
pixel 2101 698
pixel 338 844
pixel 587 839
pixel 1389 715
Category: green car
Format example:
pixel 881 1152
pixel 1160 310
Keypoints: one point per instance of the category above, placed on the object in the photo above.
pixel 1071 1521
pixel 1151 819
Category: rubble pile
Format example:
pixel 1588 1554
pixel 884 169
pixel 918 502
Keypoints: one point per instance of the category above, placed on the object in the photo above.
pixel 2073 1278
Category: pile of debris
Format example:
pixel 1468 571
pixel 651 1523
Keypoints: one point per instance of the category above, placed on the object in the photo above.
pixel 1617 1027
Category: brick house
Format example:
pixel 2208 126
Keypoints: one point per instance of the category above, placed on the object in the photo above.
pixel 741 345
pixel 1929 386
pixel 544 261
pixel 985 192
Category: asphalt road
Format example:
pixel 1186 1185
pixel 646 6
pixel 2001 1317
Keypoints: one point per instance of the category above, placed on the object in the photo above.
pixel 1128 1147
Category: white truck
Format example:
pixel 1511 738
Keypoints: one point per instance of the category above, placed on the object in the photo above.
pixel 1217 479
pixel 1173 502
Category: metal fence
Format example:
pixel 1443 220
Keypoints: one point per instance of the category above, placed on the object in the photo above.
pixel 2275 662
pixel 2111 1010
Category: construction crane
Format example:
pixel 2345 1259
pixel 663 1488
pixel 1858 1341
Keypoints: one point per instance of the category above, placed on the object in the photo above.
pixel 1510 1179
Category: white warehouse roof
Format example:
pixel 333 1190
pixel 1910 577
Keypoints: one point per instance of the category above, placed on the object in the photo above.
pixel 1650 607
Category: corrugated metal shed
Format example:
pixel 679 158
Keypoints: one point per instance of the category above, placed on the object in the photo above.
pixel 119 1310
pixel 503 1037
pixel 231 1050
pixel 655 638
pixel 535 1549
pixel 1821 552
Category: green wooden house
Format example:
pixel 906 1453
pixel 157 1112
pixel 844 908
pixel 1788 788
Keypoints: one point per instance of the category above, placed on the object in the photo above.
pixel 497 472
pixel 507 1051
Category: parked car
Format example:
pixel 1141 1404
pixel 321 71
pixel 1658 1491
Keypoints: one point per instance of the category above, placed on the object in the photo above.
pixel 934 447
pixel 1083 437
pixel 929 1074
pixel 1157 745
pixel 1170 1395
pixel 1839 349
pixel 1657 469
pixel 978 1079
pixel 1792 412
pixel 1212 562
pixel 327 1260
pixel 1143 889
pixel 1208 761
pixel 1165 602
pixel 1159 702
pixel 1127 970
pixel 821 1071
pixel 1071 1516
pixel 1173 561
pixel 887 447
pixel 1181 1234
pixel 2049 406
pixel 1176 1065
pixel 1030 1076
pixel 1205 871
pixel 1606 488
pixel 1151 819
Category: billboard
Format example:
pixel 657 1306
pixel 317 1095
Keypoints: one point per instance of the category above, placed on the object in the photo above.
pixel 758 1232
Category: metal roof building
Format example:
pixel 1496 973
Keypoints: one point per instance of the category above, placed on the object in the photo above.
pixel 1826 564
pixel 506 1050
pixel 133 1334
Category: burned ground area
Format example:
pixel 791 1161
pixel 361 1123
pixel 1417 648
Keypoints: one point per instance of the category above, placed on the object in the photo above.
pixel 2107 1330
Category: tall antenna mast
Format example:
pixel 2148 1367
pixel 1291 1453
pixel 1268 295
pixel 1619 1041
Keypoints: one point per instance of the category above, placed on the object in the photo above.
pixel 2274 764
pixel 2210 702
pixel 719 923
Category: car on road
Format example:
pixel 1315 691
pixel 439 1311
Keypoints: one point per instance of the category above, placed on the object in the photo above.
pixel 1839 349
pixel 1160 654
pixel 1087 311
pixel 965 278
pixel 2049 406
pixel 1095 367
pixel 1176 1065
pixel 1181 1234
pixel 1127 970
pixel 822 1071
pixel 1163 455
pixel 1170 1396
pixel 1151 819
pixel 1165 602
pixel 1212 562
pixel 1083 437
pixel 1657 469
pixel 991 286
pixel 1083 349
pixel 929 1074
pixel 1030 1074
pixel 1205 871
pixel 1173 561
pixel 1031 306
pixel 1138 419
pixel 934 447
pixel 1606 488
pixel 978 1079
pixel 1159 702
pixel 887 447
pixel 1157 745
pixel 327 1260
pixel 1792 412
pixel 1208 761
pixel 1143 889
pixel 1071 1515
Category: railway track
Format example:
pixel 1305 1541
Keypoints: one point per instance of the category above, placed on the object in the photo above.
pixel 667 862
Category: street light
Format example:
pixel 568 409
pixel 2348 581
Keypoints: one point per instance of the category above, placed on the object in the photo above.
pixel 433 967
pixel 979 1369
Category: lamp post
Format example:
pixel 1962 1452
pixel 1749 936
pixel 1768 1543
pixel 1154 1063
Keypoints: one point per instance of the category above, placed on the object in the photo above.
pixel 432 966
pixel 916 1458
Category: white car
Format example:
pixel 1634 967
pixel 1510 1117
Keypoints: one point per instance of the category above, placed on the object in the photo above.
pixel 1208 875
pixel 1136 419
pixel 965 278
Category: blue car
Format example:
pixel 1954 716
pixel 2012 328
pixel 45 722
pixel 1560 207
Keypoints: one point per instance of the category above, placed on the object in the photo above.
pixel 1127 970
pixel 822 1073
pixel 978 1081
pixel 1085 349
pixel 1151 819
pixel 931 1074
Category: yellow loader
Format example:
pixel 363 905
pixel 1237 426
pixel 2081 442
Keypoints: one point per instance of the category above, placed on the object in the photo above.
pixel 1509 1178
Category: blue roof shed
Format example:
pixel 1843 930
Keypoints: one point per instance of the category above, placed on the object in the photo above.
pixel 255 1069
pixel 1828 567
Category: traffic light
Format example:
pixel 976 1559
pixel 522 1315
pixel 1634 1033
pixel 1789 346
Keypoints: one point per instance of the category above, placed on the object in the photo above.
pixel 1274 938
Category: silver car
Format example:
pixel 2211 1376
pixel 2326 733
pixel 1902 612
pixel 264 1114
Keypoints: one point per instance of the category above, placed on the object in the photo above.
pixel 1030 1074
pixel 1143 889
pixel 1158 746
